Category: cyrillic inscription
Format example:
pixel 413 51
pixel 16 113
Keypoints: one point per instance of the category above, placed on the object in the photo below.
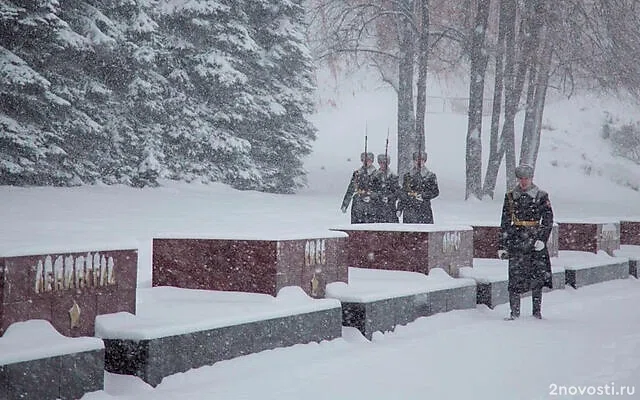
pixel 74 272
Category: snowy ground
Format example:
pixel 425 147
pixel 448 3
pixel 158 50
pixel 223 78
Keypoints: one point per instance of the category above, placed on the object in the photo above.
pixel 589 338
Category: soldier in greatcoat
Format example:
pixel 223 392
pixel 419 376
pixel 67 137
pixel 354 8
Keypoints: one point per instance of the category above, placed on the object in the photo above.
pixel 360 192
pixel 527 221
pixel 387 187
pixel 419 187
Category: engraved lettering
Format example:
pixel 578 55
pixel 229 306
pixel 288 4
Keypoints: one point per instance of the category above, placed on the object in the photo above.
pixel 88 270
pixel 96 269
pixel 80 282
pixel 103 270
pixel 39 277
pixel 609 233
pixel 58 273
pixel 315 252
pixel 319 251
pixel 111 276
pixel 307 254
pixel 74 272
pixel 323 256
pixel 48 274
pixel 68 273
pixel 451 242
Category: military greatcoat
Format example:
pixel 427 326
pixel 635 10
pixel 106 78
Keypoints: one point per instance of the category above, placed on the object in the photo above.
pixel 527 216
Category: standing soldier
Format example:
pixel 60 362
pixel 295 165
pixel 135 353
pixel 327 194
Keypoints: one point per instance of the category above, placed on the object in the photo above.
pixel 361 191
pixel 388 191
pixel 419 187
pixel 526 223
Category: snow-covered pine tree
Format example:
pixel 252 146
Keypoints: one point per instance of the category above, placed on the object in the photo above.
pixel 230 55
pixel 36 119
pixel 280 87
pixel 128 91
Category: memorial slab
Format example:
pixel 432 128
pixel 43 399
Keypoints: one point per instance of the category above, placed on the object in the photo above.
pixel 380 300
pixel 36 362
pixel 492 279
pixel 592 235
pixel 631 252
pixel 251 264
pixel 409 247
pixel 486 240
pixel 585 268
pixel 68 288
pixel 176 330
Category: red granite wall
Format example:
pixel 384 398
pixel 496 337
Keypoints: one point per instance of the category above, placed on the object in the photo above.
pixel 578 237
pixel 68 289
pixel 630 232
pixel 392 250
pixel 230 265
pixel 255 266
pixel 486 241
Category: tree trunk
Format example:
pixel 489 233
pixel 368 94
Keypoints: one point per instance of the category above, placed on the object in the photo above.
pixel 528 128
pixel 507 139
pixel 423 56
pixel 496 149
pixel 406 116
pixel 541 95
pixel 476 96
pixel 530 132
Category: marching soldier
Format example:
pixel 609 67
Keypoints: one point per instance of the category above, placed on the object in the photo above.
pixel 526 223
pixel 388 189
pixel 419 187
pixel 361 191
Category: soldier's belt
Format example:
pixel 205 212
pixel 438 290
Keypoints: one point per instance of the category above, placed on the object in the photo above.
pixel 412 194
pixel 525 223
pixel 361 192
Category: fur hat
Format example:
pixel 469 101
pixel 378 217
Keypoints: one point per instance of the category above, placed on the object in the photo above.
pixel 423 157
pixel 381 158
pixel 369 156
pixel 524 171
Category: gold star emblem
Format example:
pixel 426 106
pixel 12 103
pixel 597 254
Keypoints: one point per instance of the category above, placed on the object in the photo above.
pixel 74 314
pixel 315 286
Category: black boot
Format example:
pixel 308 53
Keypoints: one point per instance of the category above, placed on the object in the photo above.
pixel 536 296
pixel 514 302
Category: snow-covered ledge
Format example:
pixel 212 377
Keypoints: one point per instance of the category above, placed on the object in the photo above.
pixel 37 362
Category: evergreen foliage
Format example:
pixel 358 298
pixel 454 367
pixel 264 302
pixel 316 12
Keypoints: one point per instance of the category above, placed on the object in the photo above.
pixel 130 91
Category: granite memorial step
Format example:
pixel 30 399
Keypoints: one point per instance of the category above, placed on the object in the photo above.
pixel 492 279
pixel 631 252
pixel 179 329
pixel 586 268
pixel 37 362
pixel 379 300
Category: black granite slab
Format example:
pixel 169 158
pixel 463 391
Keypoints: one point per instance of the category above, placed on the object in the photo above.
pixel 384 315
pixel 578 277
pixel 633 267
pixel 65 377
pixel 154 359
